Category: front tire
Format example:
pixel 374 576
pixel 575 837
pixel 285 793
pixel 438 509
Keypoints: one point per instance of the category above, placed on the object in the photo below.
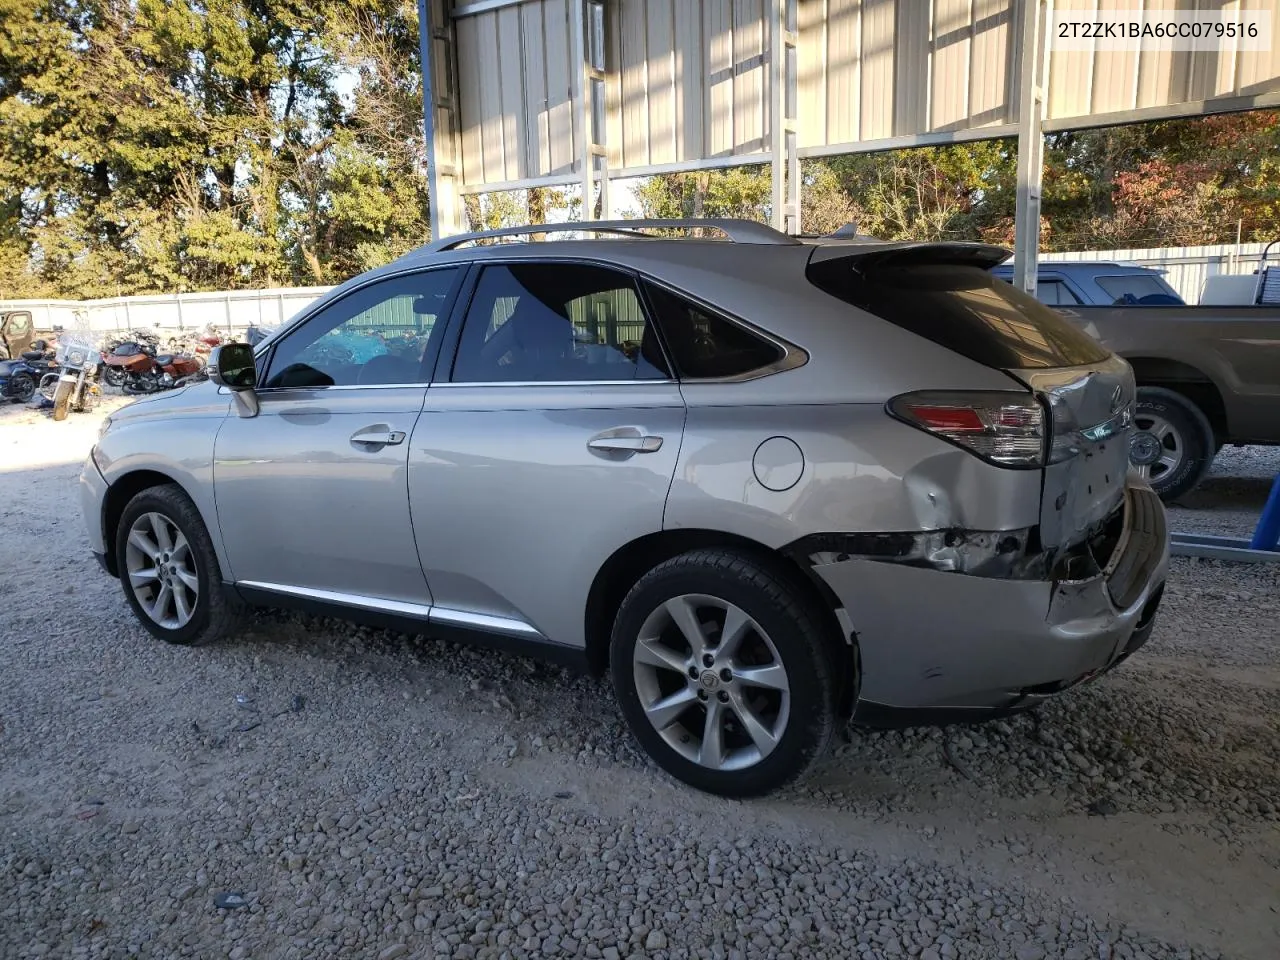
pixel 169 570
pixel 61 401
pixel 113 376
pixel 1173 444
pixel 723 673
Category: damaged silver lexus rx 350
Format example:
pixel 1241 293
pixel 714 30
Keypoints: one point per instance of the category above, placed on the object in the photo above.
pixel 764 483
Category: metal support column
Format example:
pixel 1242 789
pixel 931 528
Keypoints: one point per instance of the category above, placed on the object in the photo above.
pixel 588 53
pixel 783 65
pixel 440 103
pixel 1033 82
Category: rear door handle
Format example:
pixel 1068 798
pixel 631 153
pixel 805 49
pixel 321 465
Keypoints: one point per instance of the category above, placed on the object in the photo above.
pixel 375 437
pixel 626 444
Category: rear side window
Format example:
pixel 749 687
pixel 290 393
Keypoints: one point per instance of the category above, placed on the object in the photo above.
pixel 1132 287
pixel 963 308
pixel 704 345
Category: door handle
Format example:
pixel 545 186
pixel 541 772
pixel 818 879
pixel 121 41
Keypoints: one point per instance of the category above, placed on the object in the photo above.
pixel 374 437
pixel 626 444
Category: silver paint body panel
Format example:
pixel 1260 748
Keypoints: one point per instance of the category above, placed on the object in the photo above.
pixel 495 513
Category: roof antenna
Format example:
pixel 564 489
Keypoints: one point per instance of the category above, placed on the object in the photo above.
pixel 849 230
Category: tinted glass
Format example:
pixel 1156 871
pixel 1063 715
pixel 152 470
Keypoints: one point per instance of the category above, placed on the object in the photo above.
pixel 965 309
pixel 377 336
pixel 551 322
pixel 1055 293
pixel 1135 285
pixel 704 345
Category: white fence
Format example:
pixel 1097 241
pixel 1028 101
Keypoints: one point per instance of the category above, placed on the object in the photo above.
pixel 1186 269
pixel 229 311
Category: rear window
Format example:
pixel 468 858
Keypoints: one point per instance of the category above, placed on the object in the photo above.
pixel 963 308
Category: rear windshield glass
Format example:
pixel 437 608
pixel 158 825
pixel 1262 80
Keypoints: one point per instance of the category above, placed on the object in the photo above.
pixel 963 308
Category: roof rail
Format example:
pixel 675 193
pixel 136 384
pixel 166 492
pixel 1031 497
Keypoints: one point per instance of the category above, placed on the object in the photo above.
pixel 737 230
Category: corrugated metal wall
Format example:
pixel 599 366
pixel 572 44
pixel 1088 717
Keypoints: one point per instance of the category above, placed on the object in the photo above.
pixel 1085 82
pixel 688 80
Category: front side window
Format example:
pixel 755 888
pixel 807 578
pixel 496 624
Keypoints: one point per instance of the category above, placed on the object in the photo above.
pixel 556 322
pixel 376 336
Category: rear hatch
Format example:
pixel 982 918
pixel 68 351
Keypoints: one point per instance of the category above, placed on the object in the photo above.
pixel 945 293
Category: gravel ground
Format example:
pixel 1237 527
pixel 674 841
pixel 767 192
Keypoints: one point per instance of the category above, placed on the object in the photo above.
pixel 313 789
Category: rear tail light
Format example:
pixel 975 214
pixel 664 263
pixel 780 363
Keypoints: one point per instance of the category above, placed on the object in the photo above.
pixel 1005 428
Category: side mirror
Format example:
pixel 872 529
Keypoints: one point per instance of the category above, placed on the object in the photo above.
pixel 231 366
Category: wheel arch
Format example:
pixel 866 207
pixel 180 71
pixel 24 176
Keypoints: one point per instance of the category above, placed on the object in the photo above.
pixel 119 492
pixel 630 562
pixel 1189 381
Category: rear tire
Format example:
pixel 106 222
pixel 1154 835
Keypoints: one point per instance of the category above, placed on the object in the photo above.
pixel 723 673
pixel 161 543
pixel 1174 444
pixel 62 401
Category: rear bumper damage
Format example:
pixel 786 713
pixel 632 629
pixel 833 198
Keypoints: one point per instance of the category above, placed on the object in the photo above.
pixel 933 639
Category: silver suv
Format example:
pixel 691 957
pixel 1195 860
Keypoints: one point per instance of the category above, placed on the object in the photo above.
pixel 766 483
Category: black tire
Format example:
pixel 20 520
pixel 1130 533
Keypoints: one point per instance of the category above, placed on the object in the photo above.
pixel 776 603
pixel 1195 434
pixel 216 613
pixel 22 387
pixel 113 376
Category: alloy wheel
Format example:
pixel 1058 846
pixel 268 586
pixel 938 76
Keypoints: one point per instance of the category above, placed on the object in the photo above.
pixel 1156 447
pixel 161 570
pixel 711 682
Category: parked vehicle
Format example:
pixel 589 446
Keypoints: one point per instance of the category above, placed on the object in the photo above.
pixel 1097 283
pixel 765 484
pixel 73 386
pixel 129 344
pixel 1259 289
pixel 20 378
pixel 137 368
pixel 1207 375
pixel 17 333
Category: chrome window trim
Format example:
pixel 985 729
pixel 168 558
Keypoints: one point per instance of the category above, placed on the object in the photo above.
pixel 554 383
pixel 261 391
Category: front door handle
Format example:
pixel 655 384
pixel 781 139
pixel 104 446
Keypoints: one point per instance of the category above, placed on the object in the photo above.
pixel 376 437
pixel 626 444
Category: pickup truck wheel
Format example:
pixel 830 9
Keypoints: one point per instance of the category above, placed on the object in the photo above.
pixel 1173 443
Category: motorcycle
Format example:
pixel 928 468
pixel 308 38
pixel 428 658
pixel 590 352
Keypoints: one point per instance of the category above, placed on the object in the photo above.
pixel 138 368
pixel 19 378
pixel 74 386
pixel 136 341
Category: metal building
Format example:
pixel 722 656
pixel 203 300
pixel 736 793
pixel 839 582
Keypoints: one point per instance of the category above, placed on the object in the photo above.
pixel 552 92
